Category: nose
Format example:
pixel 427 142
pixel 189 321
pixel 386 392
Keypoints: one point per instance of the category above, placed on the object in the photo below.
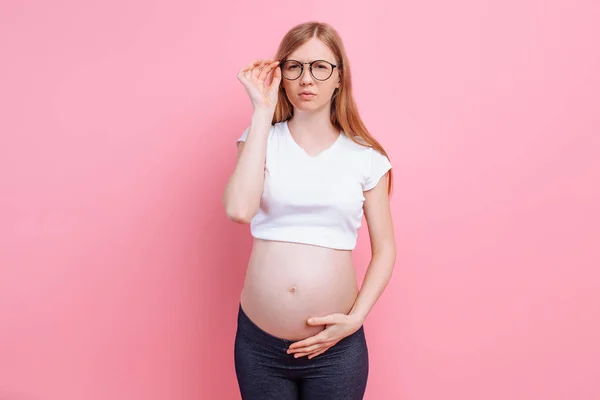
pixel 306 76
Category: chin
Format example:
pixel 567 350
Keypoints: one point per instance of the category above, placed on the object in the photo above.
pixel 308 106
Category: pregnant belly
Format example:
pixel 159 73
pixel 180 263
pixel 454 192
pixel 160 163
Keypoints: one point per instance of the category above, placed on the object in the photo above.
pixel 286 283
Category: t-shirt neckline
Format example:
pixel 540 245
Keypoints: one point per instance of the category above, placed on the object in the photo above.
pixel 316 156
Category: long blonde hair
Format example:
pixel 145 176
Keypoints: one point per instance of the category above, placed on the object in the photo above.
pixel 344 112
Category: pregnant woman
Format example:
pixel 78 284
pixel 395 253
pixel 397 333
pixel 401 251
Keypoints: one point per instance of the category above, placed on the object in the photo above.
pixel 307 170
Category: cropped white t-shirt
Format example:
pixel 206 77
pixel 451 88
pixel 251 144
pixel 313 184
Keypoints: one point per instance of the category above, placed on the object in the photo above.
pixel 318 199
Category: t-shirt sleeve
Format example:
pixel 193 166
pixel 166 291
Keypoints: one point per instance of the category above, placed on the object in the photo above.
pixel 243 137
pixel 378 166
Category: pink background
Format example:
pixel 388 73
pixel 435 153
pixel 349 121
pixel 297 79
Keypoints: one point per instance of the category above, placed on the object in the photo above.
pixel 120 275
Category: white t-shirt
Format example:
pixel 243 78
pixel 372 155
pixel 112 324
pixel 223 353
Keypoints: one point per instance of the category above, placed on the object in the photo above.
pixel 318 199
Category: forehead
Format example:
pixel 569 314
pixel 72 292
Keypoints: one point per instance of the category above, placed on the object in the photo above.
pixel 312 50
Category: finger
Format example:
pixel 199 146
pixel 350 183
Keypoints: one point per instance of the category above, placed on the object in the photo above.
pixel 306 342
pixel 277 72
pixel 249 66
pixel 320 338
pixel 265 71
pixel 308 349
pixel 315 321
pixel 270 74
pixel 326 320
pixel 276 79
pixel 257 69
pixel 274 67
pixel 245 72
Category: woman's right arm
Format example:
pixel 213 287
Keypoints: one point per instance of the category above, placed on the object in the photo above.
pixel 245 185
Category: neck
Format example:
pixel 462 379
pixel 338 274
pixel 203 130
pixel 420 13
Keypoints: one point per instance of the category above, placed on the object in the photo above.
pixel 312 123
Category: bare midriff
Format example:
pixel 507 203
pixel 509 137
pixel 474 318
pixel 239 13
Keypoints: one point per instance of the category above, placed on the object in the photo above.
pixel 286 283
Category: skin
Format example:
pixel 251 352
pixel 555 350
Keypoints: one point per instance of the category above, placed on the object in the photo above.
pixel 310 125
pixel 296 291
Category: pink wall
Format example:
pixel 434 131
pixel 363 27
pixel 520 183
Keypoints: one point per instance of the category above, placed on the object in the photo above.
pixel 120 274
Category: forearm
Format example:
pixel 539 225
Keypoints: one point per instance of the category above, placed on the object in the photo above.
pixel 245 186
pixel 376 279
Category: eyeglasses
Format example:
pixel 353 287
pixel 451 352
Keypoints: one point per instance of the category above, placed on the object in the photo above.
pixel 321 70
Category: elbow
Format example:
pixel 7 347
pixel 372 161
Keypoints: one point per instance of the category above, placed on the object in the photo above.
pixel 240 212
pixel 238 216
pixel 386 253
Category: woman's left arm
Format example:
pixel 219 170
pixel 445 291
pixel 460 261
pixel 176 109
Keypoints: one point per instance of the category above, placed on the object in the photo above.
pixel 383 249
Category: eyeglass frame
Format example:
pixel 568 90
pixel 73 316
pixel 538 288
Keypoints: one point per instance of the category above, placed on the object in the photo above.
pixel 333 66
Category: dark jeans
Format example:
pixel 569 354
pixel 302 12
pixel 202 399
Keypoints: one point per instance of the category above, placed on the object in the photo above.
pixel 265 371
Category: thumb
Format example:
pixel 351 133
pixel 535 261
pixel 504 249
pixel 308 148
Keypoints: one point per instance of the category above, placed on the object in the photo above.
pixel 276 79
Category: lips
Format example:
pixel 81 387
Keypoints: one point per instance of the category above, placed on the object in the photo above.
pixel 307 94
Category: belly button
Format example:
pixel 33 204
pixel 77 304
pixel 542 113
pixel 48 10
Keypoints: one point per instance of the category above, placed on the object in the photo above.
pixel 292 289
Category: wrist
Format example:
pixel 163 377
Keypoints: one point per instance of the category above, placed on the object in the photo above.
pixel 261 112
pixel 357 317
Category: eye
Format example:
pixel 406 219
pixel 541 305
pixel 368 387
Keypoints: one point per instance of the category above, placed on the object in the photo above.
pixel 322 65
pixel 290 66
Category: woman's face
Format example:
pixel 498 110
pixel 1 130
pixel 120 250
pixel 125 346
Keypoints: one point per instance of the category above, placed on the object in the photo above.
pixel 321 90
